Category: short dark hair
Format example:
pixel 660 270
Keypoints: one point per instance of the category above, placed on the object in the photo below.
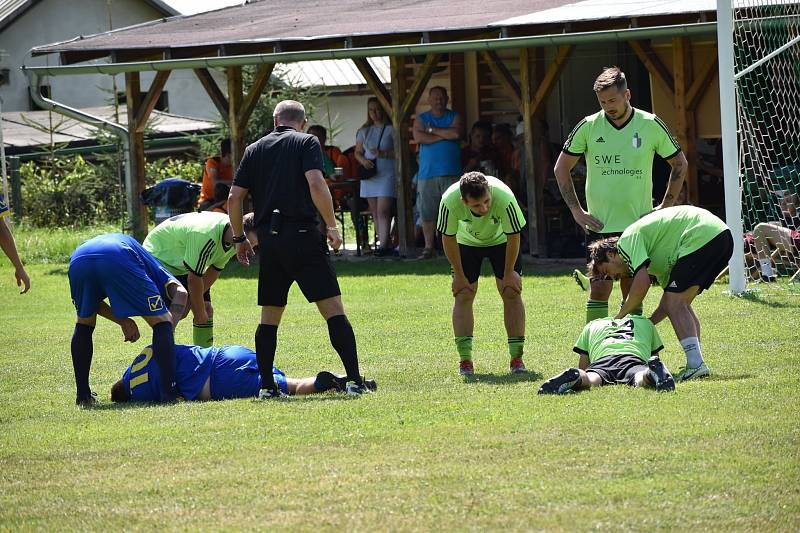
pixel 610 77
pixel 290 111
pixel 473 185
pixel 225 146
pixel 248 223
pixel 319 129
pixel 118 393
pixel 484 125
pixel 438 88
pixel 598 254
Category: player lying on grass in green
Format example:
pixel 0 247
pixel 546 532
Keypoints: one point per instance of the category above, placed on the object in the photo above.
pixel 215 373
pixel 615 351
pixel 685 248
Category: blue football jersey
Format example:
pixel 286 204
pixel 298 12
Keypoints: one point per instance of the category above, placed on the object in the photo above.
pixel 233 373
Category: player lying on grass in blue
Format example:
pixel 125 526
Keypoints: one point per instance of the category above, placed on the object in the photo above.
pixel 215 373
pixel 615 351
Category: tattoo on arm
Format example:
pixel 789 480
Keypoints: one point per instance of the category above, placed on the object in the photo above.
pixel 677 171
pixel 568 194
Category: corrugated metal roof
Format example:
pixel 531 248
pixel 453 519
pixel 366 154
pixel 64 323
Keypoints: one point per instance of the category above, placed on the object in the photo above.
pixel 332 72
pixel 283 20
pixel 18 133
pixel 10 9
pixel 607 9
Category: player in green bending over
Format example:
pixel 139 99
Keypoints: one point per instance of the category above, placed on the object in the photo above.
pixel 480 218
pixel 615 351
pixel 619 143
pixel 685 248
pixel 195 247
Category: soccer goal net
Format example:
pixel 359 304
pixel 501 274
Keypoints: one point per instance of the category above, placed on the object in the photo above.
pixel 766 75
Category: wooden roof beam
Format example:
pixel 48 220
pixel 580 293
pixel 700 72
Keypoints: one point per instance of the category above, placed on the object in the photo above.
pixel 551 77
pixel 423 77
pixel 251 100
pixel 149 103
pixel 501 72
pixel 700 85
pixel 374 83
pixel 214 92
pixel 654 66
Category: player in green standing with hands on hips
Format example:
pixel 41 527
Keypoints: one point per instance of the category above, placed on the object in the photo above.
pixel 619 143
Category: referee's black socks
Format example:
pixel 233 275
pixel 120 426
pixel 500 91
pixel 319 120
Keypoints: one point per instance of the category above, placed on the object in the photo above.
pixel 343 341
pixel 82 349
pixel 266 342
pixel 164 354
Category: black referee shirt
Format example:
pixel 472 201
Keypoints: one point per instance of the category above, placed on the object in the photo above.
pixel 273 170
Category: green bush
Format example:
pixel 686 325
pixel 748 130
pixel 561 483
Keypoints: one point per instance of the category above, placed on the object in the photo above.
pixel 71 192
pixel 68 192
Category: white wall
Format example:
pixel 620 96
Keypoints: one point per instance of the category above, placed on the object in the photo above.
pixel 348 113
pixel 55 20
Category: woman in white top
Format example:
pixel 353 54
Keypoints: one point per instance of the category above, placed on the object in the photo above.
pixel 375 149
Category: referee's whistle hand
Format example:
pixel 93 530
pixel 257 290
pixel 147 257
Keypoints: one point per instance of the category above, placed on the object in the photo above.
pixel 244 250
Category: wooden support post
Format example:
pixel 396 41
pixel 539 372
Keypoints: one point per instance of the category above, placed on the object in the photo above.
pixel 686 128
pixel 402 155
pixel 700 84
pixel 423 77
pixel 251 100
pixel 530 167
pixel 374 83
pixel 551 77
pixel 503 75
pixel 654 65
pixel 214 92
pixel 237 129
pixel 150 100
pixel 137 211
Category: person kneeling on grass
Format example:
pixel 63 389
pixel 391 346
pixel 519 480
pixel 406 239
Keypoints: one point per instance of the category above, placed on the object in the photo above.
pixel 615 351
pixel 685 248
pixel 216 373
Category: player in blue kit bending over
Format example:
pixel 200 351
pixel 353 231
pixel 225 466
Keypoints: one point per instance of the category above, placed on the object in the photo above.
pixel 117 267
pixel 215 373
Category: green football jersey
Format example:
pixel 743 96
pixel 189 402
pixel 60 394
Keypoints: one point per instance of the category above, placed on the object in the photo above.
pixel 657 240
pixel 619 164
pixel 191 243
pixel 631 335
pixel 504 217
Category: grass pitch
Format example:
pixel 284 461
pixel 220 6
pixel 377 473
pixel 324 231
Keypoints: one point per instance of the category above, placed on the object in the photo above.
pixel 429 451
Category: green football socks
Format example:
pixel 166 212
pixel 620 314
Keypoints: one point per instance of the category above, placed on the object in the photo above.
pixel 596 309
pixel 203 334
pixel 464 347
pixel 516 346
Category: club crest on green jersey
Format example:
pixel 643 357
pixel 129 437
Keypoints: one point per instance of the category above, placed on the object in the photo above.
pixel 636 141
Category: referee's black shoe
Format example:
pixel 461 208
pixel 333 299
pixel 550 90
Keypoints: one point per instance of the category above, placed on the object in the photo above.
pixel 88 401
pixel 659 375
pixel 353 388
pixel 271 394
pixel 562 383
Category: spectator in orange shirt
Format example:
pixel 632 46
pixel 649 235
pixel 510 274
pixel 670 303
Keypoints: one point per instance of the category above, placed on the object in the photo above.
pixel 218 169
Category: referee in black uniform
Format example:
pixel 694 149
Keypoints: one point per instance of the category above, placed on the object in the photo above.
pixel 283 173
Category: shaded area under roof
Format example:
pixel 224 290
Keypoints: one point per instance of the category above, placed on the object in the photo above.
pixel 19 130
pixel 280 21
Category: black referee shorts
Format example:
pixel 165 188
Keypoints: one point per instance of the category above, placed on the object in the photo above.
pixel 472 257
pixel 299 253
pixel 702 266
